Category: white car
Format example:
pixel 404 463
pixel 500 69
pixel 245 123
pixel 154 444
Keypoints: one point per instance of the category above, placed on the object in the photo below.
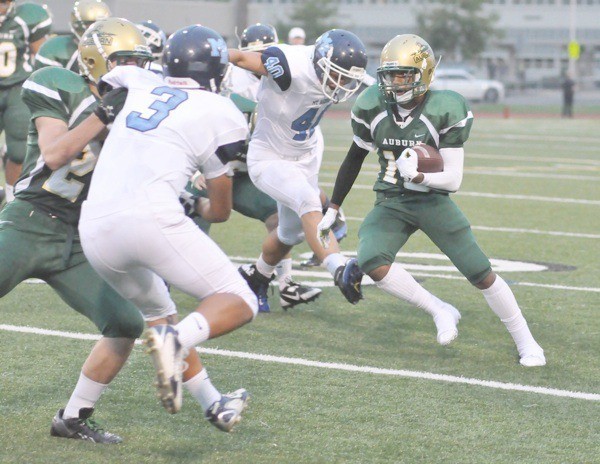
pixel 468 86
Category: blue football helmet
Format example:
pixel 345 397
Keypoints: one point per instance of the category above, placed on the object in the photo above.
pixel 258 37
pixel 198 53
pixel 155 37
pixel 340 60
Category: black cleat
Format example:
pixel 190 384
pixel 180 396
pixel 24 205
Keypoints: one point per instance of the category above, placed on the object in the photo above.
pixel 258 283
pixel 348 278
pixel 81 428
pixel 294 294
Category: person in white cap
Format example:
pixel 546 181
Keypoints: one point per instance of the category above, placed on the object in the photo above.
pixel 296 36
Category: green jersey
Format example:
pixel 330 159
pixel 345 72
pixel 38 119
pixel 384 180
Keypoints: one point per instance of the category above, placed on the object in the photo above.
pixel 442 120
pixel 58 51
pixel 61 94
pixel 28 23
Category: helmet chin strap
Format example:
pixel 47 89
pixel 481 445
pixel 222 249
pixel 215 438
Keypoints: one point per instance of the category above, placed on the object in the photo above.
pixel 405 97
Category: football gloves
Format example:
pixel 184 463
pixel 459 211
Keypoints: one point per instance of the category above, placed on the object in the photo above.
pixel 324 227
pixel 407 164
pixel 111 105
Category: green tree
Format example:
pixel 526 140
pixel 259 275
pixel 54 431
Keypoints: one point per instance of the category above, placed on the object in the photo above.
pixel 458 29
pixel 314 16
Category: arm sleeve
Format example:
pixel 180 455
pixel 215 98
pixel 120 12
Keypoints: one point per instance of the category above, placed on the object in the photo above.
pixel 39 22
pixel 278 67
pixel 348 173
pixel 450 179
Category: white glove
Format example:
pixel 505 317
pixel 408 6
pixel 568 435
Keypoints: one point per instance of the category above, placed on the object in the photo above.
pixel 324 227
pixel 199 181
pixel 407 164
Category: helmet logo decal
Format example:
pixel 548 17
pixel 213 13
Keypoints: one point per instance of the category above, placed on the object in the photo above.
pixel 325 43
pixel 421 54
pixel 101 37
pixel 217 46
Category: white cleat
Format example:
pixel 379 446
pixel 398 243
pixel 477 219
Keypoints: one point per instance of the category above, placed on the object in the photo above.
pixel 446 322
pixel 167 355
pixel 227 412
pixel 533 358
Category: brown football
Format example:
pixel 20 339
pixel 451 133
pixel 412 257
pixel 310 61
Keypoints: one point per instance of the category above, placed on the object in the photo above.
pixel 430 159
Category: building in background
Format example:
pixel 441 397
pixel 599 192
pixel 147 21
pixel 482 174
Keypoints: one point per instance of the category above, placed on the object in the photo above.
pixel 533 51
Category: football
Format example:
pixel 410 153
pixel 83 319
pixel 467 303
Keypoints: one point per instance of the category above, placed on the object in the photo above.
pixel 430 159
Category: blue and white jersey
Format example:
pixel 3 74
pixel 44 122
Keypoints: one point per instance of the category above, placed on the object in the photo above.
pixel 167 130
pixel 290 101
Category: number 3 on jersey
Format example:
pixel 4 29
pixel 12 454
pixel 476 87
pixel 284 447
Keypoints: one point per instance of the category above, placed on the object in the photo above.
pixel 162 108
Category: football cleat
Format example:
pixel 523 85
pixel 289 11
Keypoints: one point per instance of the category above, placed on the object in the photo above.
pixel 348 278
pixel 227 412
pixel 445 322
pixel 81 428
pixel 313 261
pixel 294 294
pixel 532 357
pixel 259 284
pixel 167 355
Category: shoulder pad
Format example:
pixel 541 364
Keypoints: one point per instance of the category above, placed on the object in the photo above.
pixel 59 79
pixel 33 14
pixel 277 66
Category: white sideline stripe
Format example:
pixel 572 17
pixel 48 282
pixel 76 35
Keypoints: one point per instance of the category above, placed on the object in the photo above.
pixel 509 229
pixel 500 173
pixel 497 195
pixel 337 366
pixel 469 155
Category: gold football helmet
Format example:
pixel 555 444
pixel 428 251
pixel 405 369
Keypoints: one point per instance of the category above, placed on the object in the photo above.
pixel 406 69
pixel 111 39
pixel 85 13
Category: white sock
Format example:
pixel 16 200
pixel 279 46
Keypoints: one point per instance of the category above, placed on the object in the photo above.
pixel 284 272
pixel 85 395
pixel 9 193
pixel 502 301
pixel 192 330
pixel 401 284
pixel 202 389
pixel 265 269
pixel 333 261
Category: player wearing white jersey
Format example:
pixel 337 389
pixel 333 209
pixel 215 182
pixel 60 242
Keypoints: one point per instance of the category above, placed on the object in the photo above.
pixel 283 156
pixel 134 230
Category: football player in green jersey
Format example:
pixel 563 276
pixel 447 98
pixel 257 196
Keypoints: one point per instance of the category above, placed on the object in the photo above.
pixel 23 29
pixel 399 113
pixel 61 50
pixel 38 230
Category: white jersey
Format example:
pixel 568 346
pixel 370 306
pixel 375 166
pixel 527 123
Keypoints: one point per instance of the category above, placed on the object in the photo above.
pixel 290 102
pixel 242 82
pixel 166 131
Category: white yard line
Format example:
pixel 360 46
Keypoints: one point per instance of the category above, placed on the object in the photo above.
pixel 497 195
pixel 501 172
pixel 514 230
pixel 338 366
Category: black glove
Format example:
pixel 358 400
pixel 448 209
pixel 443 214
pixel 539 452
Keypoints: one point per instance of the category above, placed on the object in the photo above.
pixel 188 200
pixel 111 105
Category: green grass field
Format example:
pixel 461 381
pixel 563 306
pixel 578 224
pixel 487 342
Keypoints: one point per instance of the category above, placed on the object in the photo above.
pixel 335 383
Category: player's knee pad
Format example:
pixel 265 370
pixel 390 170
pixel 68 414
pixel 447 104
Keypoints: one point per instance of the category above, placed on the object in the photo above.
pixel 289 236
pixel 308 203
pixel 125 324
pixel 158 313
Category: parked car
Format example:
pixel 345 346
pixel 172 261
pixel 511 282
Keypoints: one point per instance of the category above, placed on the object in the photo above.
pixel 468 86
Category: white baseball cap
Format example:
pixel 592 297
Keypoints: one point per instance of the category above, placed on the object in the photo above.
pixel 296 32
